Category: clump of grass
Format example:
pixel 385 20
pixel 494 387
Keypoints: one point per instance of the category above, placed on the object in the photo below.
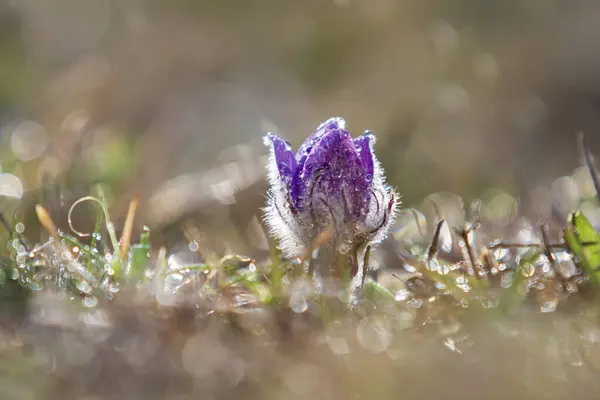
pixel 111 316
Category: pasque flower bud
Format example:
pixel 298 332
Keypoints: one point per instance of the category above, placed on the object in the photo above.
pixel 332 182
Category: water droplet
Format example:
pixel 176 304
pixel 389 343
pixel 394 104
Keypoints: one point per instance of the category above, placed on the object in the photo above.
pixel 35 286
pixel 299 298
pixel 410 268
pixel 567 268
pixel 315 253
pixel 173 282
pixel 90 302
pixel 193 246
pixel 84 287
pixel 373 334
pixel 20 227
pixel 528 270
pixel 20 259
pixel 414 303
pixel 402 295
pixel 443 269
pixel 433 265
pixel 298 303
pixel 549 306
pixel 506 279
pixel 489 303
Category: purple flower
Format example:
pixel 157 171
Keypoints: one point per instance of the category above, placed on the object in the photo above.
pixel 333 181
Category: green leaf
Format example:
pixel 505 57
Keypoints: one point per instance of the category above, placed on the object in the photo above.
pixel 513 296
pixel 376 292
pixel 584 242
pixel 139 258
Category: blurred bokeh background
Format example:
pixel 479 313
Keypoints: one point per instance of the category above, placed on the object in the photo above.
pixel 171 98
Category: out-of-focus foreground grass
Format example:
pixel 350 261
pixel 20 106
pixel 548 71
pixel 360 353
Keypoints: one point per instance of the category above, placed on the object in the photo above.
pixel 467 314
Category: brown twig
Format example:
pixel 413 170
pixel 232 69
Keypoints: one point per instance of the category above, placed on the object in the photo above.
pixel 464 234
pixel 434 246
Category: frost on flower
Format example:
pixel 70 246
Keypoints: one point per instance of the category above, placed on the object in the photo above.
pixel 331 182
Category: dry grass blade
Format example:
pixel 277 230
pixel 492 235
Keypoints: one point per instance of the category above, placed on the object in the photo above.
pixel 365 267
pixel 468 251
pixel 322 238
pixel 47 222
pixel 128 227
pixel 434 246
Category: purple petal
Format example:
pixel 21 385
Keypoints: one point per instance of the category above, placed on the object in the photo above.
pixel 364 146
pixel 326 128
pixel 284 156
pixel 332 124
pixel 333 171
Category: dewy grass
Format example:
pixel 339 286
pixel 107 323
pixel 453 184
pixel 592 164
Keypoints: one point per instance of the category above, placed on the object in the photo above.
pixel 116 319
